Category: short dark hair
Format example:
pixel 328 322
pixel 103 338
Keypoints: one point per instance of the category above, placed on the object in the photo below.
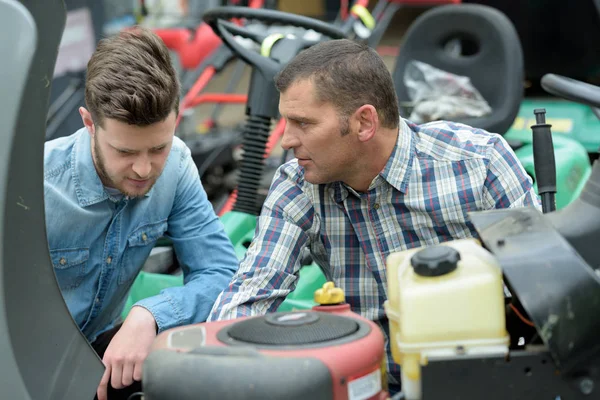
pixel 130 78
pixel 346 74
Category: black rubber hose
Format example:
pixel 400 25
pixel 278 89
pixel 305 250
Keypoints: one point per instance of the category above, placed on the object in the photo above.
pixel 254 144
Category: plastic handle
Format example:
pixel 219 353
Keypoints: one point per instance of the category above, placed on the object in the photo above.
pixel 571 89
pixel 543 160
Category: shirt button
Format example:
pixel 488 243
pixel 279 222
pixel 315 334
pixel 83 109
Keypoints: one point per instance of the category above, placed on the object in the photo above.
pixel 376 206
pixel 108 259
pixel 62 261
pixel 97 300
pixel 144 237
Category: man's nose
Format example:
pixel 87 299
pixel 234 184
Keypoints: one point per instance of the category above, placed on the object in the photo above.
pixel 288 140
pixel 142 167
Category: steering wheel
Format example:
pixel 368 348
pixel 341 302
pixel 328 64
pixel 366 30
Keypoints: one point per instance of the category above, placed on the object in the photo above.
pixel 218 18
pixel 572 89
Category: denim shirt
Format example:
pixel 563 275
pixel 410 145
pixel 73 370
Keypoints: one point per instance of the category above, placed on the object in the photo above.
pixel 98 243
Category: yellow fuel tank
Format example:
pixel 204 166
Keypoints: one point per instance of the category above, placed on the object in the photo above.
pixel 443 301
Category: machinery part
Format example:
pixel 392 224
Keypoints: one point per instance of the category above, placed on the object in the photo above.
pixel 524 375
pixel 328 352
pixel 385 10
pixel 490 46
pixel 64 105
pixel 233 373
pixel 384 13
pixel 44 354
pixel 435 261
pixel 579 222
pixel 572 162
pixel 559 291
pixel 329 295
pixel 358 21
pixel 263 97
pixel 191 45
pixel 254 143
pixel 543 156
pixel 236 77
pixel 13 80
pixel 431 311
pixel 571 89
pixel 217 17
pixel 300 329
pixel 596 110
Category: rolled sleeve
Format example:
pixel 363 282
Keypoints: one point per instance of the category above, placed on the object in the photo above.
pixel 269 271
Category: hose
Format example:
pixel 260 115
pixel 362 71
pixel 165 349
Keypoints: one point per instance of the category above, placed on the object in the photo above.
pixel 254 144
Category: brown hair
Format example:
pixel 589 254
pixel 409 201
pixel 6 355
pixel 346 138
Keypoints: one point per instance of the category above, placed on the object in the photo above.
pixel 130 78
pixel 346 74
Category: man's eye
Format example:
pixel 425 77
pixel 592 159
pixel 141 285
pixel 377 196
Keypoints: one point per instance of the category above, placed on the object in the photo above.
pixel 159 150
pixel 124 152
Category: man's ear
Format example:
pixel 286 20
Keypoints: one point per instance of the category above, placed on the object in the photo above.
pixel 86 117
pixel 368 122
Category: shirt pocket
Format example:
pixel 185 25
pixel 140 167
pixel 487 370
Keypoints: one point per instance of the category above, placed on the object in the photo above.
pixel 139 245
pixel 70 266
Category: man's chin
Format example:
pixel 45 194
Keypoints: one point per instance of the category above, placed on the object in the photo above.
pixel 312 178
pixel 134 195
pixel 134 190
pixel 318 177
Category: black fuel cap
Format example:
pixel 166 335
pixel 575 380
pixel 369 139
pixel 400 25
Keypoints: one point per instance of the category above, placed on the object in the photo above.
pixel 435 260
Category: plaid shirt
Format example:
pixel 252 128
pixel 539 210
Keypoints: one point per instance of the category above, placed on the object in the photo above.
pixel 436 175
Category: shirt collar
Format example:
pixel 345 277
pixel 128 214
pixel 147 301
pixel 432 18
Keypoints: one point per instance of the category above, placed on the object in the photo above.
pixel 397 169
pixel 399 166
pixel 88 186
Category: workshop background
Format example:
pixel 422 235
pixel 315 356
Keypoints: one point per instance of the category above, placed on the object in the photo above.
pixel 557 36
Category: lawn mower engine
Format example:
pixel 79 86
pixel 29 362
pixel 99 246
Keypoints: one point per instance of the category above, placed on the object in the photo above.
pixel 328 352
pixel 512 315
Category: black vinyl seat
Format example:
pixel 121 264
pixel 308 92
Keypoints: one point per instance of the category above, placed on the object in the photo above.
pixel 490 55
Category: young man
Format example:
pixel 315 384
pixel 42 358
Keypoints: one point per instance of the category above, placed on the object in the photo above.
pixel 364 183
pixel 111 190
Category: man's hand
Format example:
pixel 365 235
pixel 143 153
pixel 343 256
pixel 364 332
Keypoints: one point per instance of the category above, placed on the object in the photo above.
pixel 127 351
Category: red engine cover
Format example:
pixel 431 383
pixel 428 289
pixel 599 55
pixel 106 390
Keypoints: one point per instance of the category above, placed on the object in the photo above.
pixel 351 347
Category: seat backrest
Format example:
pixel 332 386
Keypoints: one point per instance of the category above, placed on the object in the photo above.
pixel 491 56
pixel 43 353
